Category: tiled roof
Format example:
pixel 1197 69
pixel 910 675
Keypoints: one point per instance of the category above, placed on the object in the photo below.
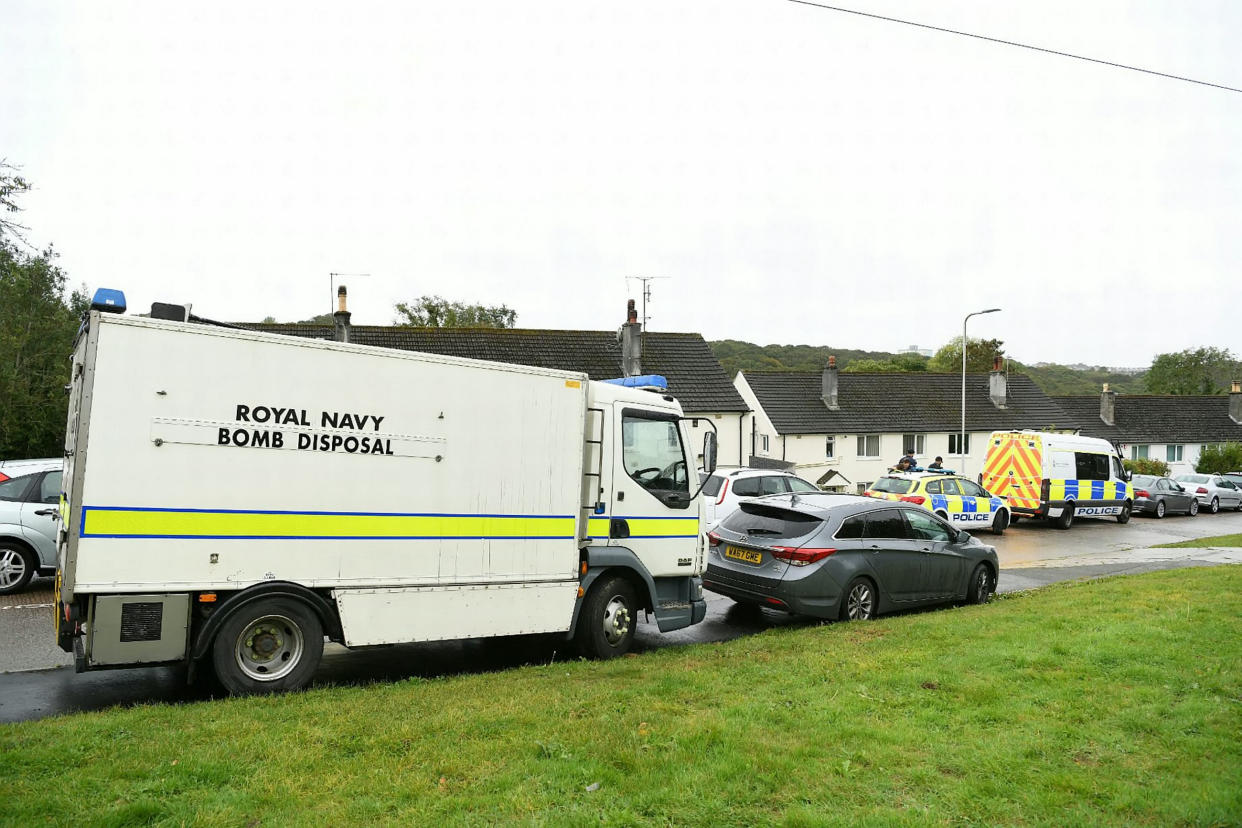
pixel 870 403
pixel 1157 419
pixel 684 359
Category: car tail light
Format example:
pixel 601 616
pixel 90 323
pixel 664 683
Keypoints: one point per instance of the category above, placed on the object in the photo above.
pixel 1202 490
pixel 713 539
pixel 800 556
pixel 3 477
pixel 868 493
pixel 723 490
pixel 1141 493
pixel 917 500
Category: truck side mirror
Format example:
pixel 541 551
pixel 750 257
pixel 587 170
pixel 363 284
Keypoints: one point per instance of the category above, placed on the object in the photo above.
pixel 709 452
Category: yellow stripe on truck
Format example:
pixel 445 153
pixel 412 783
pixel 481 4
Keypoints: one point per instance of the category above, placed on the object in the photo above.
pixel 204 523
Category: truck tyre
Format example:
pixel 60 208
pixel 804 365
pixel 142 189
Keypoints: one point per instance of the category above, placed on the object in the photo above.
pixel 1126 509
pixel 17 566
pixel 608 618
pixel 1066 520
pixel 268 646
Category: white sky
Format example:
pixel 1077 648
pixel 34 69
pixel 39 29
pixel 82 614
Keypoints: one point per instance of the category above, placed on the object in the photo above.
pixel 799 175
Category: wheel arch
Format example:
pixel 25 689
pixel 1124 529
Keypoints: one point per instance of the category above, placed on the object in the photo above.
pixel 614 560
pixel 324 608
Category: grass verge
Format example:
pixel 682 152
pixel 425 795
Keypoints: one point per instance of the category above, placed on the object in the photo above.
pixel 1200 543
pixel 1116 701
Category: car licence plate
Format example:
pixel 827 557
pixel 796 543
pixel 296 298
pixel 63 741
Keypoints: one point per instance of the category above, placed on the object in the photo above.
pixel 746 555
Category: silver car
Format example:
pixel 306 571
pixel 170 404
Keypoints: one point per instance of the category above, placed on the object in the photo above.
pixel 29 501
pixel 1213 491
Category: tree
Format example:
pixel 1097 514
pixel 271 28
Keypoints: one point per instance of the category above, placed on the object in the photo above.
pixel 37 329
pixel 1215 459
pixel 1197 371
pixel 899 364
pixel 1147 465
pixel 321 319
pixel 980 355
pixel 11 185
pixel 438 312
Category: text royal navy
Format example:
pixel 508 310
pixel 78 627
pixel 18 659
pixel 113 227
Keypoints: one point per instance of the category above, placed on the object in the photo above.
pixel 305 441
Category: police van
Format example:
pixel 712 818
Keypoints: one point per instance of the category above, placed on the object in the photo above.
pixel 1057 476
pixel 961 502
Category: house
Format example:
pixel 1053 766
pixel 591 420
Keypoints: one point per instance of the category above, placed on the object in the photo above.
pixel 1170 428
pixel 844 430
pixel 684 359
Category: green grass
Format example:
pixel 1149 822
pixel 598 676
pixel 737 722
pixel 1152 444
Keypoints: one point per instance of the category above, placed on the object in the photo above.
pixel 1116 701
pixel 1200 543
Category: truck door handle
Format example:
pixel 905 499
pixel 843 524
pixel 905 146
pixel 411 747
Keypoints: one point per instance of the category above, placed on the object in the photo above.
pixel 48 512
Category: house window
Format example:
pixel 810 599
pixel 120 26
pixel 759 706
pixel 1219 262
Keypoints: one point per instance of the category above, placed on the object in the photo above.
pixel 830 447
pixel 912 443
pixel 868 445
pixel 1138 452
pixel 1173 454
pixel 862 487
pixel 763 443
pixel 954 448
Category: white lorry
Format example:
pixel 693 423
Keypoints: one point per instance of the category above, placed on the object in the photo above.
pixel 231 498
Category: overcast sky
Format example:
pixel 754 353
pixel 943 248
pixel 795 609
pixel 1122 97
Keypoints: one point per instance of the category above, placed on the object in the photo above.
pixel 796 175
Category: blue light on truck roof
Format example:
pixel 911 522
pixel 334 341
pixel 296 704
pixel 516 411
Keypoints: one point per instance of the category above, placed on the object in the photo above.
pixel 108 301
pixel 648 381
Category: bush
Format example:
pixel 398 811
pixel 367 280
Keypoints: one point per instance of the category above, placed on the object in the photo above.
pixel 1225 457
pixel 1147 465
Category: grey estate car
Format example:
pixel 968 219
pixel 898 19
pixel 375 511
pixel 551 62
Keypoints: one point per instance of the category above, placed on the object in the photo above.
pixel 29 500
pixel 842 556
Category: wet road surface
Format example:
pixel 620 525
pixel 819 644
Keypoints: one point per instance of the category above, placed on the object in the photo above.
pixel 38 680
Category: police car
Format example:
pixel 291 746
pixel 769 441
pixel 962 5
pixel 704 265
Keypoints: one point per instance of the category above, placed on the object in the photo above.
pixel 962 502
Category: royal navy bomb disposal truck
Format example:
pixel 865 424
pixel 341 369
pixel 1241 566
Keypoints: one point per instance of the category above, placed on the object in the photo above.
pixel 234 497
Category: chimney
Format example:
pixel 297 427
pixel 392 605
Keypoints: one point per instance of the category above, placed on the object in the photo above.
pixel 997 384
pixel 631 343
pixel 829 393
pixel 341 317
pixel 1108 406
pixel 1235 402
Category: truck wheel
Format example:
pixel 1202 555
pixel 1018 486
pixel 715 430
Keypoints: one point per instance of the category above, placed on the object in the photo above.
pixel 17 567
pixel 1126 509
pixel 609 615
pixel 1066 520
pixel 268 646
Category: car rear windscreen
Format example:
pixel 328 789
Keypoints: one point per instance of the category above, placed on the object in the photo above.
pixel 764 522
pixel 892 485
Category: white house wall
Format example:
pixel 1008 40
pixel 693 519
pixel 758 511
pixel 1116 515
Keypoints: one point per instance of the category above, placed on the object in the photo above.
pixel 732 435
pixel 807 452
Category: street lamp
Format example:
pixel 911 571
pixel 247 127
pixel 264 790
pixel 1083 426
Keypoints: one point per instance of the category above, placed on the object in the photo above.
pixel 961 436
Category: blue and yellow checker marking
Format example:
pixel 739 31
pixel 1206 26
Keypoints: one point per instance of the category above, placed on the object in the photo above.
pixel 1088 490
pixel 644 527
pixel 243 524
